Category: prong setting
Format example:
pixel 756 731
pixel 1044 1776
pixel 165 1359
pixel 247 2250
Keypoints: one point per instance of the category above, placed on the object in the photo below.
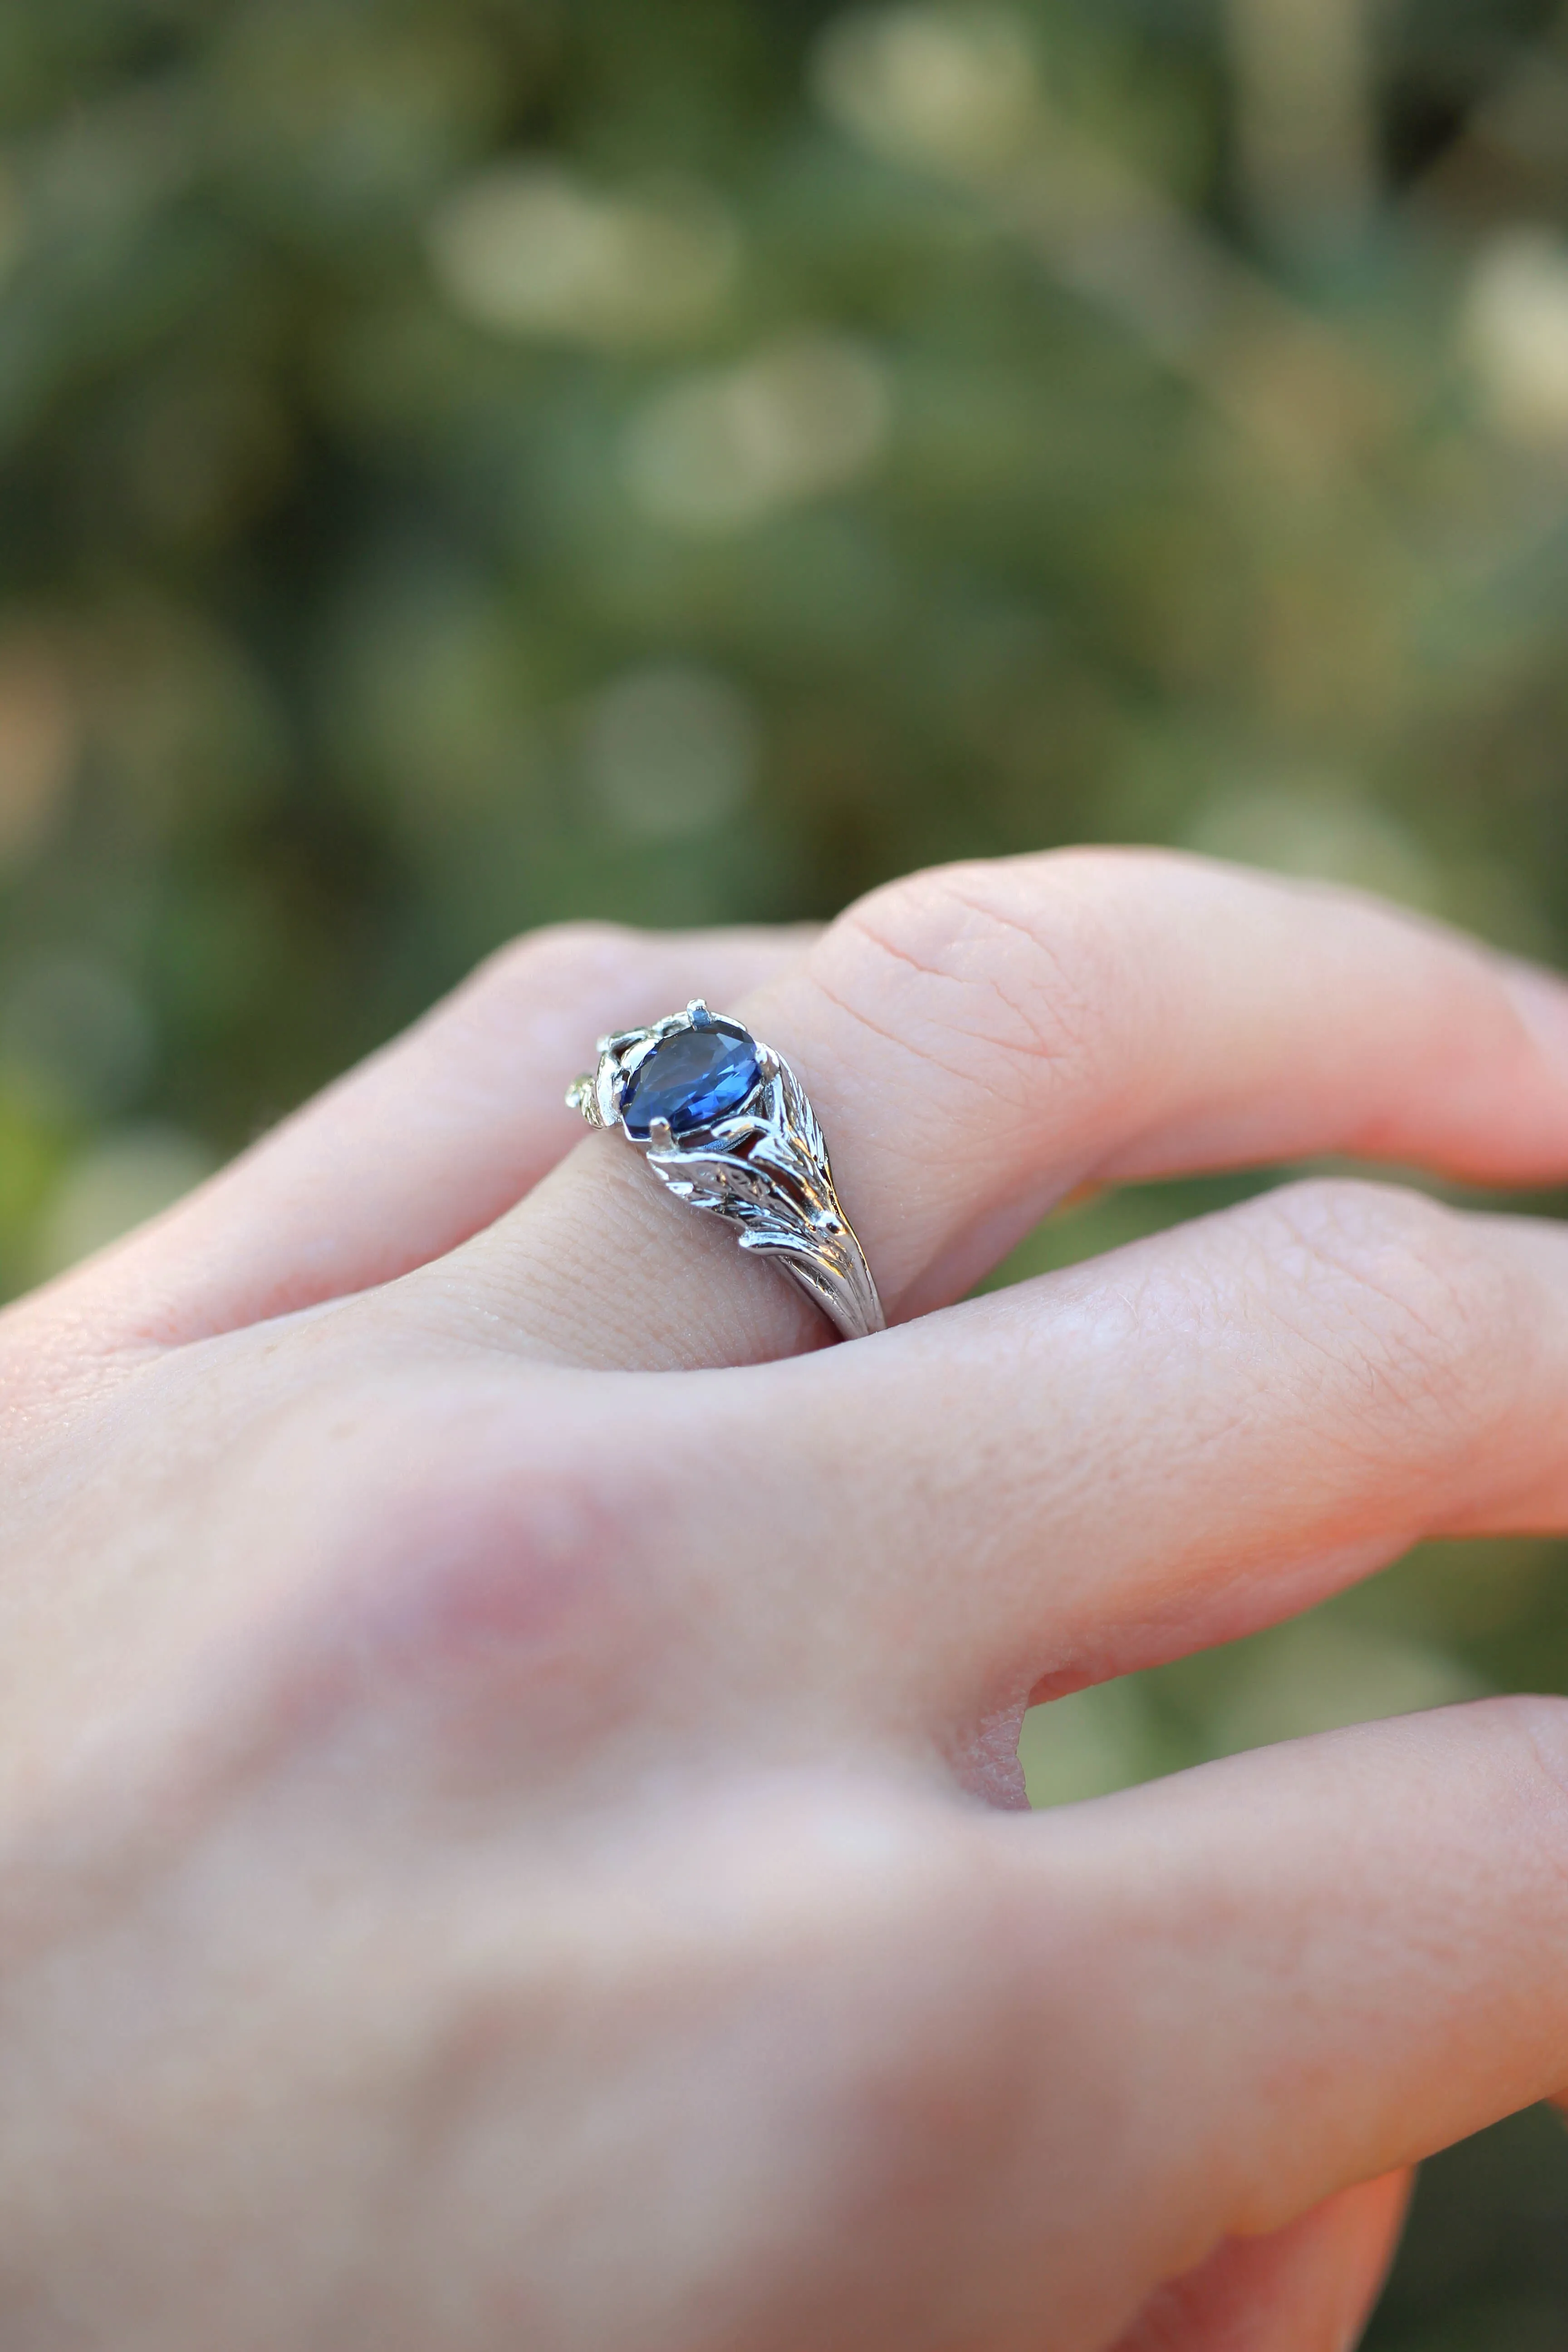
pixel 735 1136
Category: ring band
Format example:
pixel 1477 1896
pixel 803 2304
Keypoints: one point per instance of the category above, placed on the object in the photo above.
pixel 724 1122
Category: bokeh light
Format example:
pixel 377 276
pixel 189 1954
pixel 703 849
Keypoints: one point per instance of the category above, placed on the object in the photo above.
pixel 482 461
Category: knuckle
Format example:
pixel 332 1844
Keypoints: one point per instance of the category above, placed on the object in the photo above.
pixel 550 960
pixel 933 2076
pixel 975 2042
pixel 1535 1727
pixel 1407 1296
pixel 838 1972
pixel 1026 960
pixel 1514 1752
pixel 451 1564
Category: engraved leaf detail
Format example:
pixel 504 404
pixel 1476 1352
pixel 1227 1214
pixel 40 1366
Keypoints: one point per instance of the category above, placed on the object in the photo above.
pixel 767 1172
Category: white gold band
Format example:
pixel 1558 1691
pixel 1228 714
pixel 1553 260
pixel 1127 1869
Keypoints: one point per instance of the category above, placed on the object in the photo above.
pixel 724 1122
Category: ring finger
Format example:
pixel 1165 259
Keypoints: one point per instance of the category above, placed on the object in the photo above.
pixel 980 1041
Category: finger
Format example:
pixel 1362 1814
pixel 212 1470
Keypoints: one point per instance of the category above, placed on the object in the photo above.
pixel 980 1041
pixel 1309 2287
pixel 420 1146
pixel 1116 1464
pixel 1318 1964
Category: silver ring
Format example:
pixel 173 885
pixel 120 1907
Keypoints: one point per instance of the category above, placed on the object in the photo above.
pixel 723 1120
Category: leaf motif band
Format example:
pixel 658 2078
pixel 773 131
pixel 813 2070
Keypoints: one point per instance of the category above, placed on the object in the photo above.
pixel 724 1122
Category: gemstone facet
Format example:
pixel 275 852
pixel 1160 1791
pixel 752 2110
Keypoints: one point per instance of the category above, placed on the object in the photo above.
pixel 693 1078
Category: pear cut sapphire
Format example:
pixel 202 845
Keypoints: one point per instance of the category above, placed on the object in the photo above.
pixel 693 1078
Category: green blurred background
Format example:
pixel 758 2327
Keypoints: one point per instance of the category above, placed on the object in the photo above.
pixel 467 462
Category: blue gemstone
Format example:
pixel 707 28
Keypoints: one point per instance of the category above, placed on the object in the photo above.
pixel 693 1078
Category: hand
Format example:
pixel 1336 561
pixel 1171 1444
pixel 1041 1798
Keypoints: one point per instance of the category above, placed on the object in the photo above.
pixel 497 1715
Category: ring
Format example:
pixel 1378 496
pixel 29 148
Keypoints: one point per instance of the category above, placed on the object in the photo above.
pixel 723 1120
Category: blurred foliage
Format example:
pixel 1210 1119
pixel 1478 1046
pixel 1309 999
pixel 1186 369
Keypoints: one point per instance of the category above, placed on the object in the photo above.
pixel 466 462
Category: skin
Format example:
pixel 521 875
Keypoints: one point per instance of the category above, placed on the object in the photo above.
pixel 509 1832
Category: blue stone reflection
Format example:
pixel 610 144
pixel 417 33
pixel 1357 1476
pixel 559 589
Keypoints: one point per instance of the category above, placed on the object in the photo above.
pixel 691 1080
